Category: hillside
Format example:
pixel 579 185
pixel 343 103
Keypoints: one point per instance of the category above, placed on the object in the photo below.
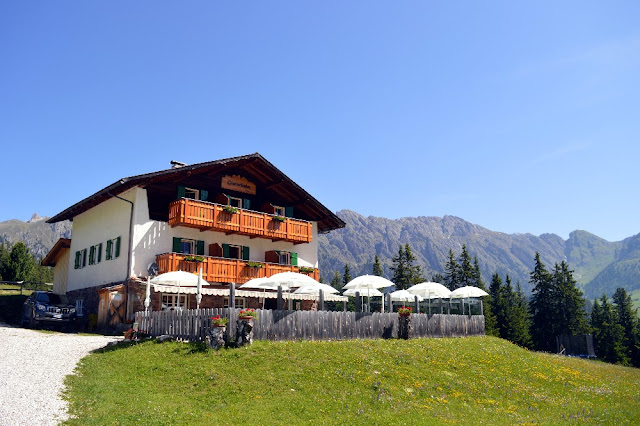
pixel 623 271
pixel 476 380
pixel 432 237
pixel 37 234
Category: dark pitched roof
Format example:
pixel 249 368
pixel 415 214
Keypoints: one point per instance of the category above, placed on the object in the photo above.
pixel 50 258
pixel 256 165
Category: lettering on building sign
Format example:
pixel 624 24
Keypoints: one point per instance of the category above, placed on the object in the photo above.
pixel 238 183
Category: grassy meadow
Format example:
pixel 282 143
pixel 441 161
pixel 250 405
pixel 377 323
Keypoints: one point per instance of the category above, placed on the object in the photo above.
pixel 480 380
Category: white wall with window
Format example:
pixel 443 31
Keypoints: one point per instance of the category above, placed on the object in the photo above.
pixel 106 221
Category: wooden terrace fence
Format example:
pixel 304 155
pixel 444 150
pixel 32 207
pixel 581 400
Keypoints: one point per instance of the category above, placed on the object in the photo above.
pixel 191 325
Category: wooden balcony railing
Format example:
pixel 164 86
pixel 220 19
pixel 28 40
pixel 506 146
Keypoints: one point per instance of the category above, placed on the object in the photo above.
pixel 210 216
pixel 221 270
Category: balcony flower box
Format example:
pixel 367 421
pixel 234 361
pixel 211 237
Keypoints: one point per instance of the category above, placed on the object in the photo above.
pixel 254 264
pixel 230 209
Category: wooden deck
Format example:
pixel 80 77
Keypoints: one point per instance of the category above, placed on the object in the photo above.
pixel 210 216
pixel 221 270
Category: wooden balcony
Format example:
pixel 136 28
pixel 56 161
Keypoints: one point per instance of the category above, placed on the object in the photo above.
pixel 221 270
pixel 209 216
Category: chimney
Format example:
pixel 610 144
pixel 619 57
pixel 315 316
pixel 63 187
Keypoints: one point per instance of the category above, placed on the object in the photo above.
pixel 177 164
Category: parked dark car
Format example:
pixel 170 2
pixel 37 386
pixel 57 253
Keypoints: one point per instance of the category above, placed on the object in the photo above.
pixel 47 307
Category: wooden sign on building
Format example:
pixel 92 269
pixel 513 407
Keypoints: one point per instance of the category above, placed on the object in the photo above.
pixel 238 183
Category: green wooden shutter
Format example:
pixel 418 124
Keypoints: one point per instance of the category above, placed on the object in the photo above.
pixel 245 253
pixel 181 192
pixel 246 204
pixel 77 264
pixel 99 252
pixel 84 258
pixel 92 255
pixel 288 211
pixel 204 195
pixel 109 249
pixel 177 245
pixel 200 248
pixel 294 259
pixel 225 251
pixel 117 246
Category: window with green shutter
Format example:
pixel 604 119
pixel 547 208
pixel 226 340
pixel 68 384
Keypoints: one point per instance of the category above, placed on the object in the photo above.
pixel 99 249
pixel 77 261
pixel 225 251
pixel 246 204
pixel 245 253
pixel 117 247
pixel 294 259
pixel 288 211
pixel 204 195
pixel 181 192
pixel 200 248
pixel 177 245
pixel 92 255
pixel 109 249
pixel 84 258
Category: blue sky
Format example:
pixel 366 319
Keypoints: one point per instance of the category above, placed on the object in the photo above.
pixel 517 117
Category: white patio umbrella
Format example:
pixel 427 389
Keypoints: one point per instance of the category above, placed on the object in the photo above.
pixel 179 279
pixel 199 290
pixel 369 292
pixel 315 289
pixel 292 279
pixel 368 281
pixel 264 284
pixel 467 292
pixel 404 296
pixel 430 290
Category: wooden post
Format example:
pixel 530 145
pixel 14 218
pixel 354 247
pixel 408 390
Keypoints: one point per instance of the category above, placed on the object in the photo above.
pixel 481 308
pixel 279 304
pixel 321 300
pixel 440 305
pixel 416 304
pixel 358 302
pixel 344 306
pixel 388 304
pixel 232 295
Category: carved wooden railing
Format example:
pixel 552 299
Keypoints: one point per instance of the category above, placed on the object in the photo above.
pixel 216 217
pixel 221 270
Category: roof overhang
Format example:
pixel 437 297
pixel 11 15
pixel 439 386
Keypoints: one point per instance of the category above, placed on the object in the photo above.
pixel 58 248
pixel 254 164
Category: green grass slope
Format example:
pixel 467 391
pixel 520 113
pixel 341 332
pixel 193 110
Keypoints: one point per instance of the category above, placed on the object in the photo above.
pixel 423 381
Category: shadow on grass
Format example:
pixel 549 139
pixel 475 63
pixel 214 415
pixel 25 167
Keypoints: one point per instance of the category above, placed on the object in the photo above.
pixel 186 348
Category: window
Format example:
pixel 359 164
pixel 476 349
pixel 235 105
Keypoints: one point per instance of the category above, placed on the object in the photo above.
pixel 235 202
pixel 95 254
pixel 194 194
pixel 241 302
pixel 113 249
pixel 235 252
pixel 80 259
pixel 285 258
pixel 279 211
pixel 172 302
pixel 188 246
pixel 231 251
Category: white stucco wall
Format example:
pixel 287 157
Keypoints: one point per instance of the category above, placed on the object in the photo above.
pixel 106 221
pixel 61 272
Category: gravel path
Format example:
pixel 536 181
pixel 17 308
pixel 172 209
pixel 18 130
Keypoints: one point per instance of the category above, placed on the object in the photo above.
pixel 32 370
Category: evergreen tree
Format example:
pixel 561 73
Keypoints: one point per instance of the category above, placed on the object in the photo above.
pixel 492 306
pixel 451 280
pixel 437 277
pixel 21 265
pixel 543 308
pixel 336 281
pixel 405 273
pixel 346 277
pixel 608 334
pixel 477 276
pixel 465 269
pixel 628 320
pixel 570 302
pixel 4 261
pixel 520 322
pixel 377 267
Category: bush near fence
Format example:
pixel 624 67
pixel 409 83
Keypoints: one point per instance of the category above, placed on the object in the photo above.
pixel 191 325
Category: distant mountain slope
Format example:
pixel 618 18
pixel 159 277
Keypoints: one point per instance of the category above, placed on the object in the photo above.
pixel 624 271
pixel 432 237
pixel 37 235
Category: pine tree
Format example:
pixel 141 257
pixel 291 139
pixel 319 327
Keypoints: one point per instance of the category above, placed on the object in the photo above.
pixel 477 276
pixel 336 281
pixel 492 306
pixel 543 308
pixel 437 277
pixel 570 302
pixel 405 273
pixel 608 334
pixel 346 277
pixel 628 320
pixel 520 319
pixel 21 265
pixel 451 280
pixel 465 269
pixel 377 267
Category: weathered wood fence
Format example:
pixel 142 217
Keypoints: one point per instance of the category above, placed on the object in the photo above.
pixel 191 325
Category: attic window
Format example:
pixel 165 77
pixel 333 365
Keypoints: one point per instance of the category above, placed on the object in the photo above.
pixel 194 194
pixel 235 202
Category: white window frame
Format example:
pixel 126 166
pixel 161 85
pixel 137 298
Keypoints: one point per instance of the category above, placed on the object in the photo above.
pixel 239 248
pixel 279 211
pixel 191 193
pixel 174 301
pixel 235 200
pixel 192 245
pixel 286 256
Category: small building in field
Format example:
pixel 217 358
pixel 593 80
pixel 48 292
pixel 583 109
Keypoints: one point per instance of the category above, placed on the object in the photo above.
pixel 235 219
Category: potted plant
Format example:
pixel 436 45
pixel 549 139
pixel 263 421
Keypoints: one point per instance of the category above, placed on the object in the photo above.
pixel 254 264
pixel 405 311
pixel 247 314
pixel 279 218
pixel 306 270
pixel 230 209
pixel 219 321
pixel 194 258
